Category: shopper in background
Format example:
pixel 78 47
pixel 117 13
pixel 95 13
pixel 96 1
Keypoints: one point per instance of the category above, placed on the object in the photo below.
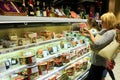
pixel 117 26
pixel 91 23
pixel 98 63
pixel 92 26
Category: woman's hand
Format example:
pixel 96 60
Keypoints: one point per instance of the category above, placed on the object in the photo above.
pixel 86 30
pixel 85 34
pixel 91 35
pixel 110 64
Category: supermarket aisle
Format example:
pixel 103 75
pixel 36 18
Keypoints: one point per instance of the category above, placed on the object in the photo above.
pixel 116 70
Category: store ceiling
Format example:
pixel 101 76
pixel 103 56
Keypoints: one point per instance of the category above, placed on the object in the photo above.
pixel 70 2
pixel 74 0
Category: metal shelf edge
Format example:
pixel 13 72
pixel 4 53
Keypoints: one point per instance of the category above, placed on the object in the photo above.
pixel 28 19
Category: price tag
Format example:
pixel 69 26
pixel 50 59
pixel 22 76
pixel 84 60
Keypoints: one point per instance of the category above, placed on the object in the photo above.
pixel 36 44
pixel 39 44
pixel 66 46
pixel 2 52
pixel 73 51
pixel 55 49
pixel 7 63
pixel 59 47
pixel 13 61
pixel 69 45
pixel 11 50
pixel 31 45
pixel 19 48
pixel 33 59
pixel 68 57
pixel 45 53
pixel 56 55
pixel 35 69
pixel 26 47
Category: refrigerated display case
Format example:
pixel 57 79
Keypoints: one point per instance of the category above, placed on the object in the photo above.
pixel 10 73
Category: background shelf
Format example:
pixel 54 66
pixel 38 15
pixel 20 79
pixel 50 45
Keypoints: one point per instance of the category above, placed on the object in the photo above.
pixel 26 19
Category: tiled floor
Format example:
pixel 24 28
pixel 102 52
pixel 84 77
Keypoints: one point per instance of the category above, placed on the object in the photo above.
pixel 116 69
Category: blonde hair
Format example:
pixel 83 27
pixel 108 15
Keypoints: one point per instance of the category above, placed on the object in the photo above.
pixel 109 18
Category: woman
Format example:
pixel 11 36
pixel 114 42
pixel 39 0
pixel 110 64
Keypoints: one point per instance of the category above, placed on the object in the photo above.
pixel 98 63
pixel 111 63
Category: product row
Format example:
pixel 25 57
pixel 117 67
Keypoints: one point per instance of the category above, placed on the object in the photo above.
pixel 44 70
pixel 13 40
pixel 59 61
pixel 28 56
pixel 31 39
pixel 63 51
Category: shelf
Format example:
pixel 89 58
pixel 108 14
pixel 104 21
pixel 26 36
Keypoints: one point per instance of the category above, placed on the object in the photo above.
pixel 3 51
pixel 61 68
pixel 10 71
pixel 81 74
pixel 84 75
pixel 58 54
pixel 34 19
